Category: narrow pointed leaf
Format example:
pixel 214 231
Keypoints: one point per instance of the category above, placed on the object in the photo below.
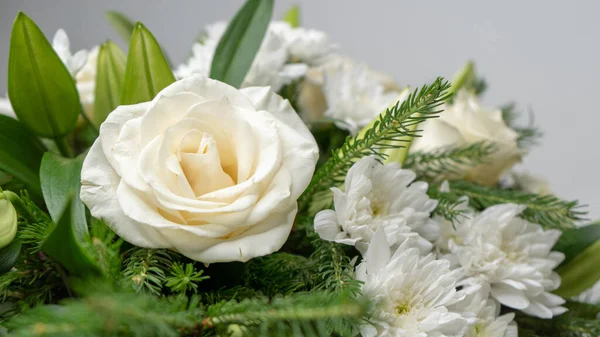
pixel 41 89
pixel 575 240
pixel 65 246
pixel 109 80
pixel 9 256
pixel 292 16
pixel 61 182
pixel 147 71
pixel 240 42
pixel 580 273
pixel 121 23
pixel 20 154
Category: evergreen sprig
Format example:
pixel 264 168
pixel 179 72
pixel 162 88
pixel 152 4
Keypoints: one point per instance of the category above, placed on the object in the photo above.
pixel 527 135
pixel 448 161
pixel 279 274
pixel 145 269
pixel 391 131
pixel 580 321
pixel 184 278
pixel 546 210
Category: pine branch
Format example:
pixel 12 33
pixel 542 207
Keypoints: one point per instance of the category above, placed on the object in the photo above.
pixel 450 207
pixel 300 314
pixel 448 161
pixel 561 326
pixel 183 279
pixel 279 274
pixel 546 210
pixel 144 269
pixel 391 131
pixel 105 246
pixel 528 135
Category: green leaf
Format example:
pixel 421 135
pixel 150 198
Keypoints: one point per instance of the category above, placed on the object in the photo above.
pixel 121 23
pixel 109 80
pixel 65 246
pixel 20 154
pixel 41 89
pixel 240 43
pixel 574 241
pixel 147 71
pixel 581 273
pixel 292 16
pixel 61 180
pixel 9 256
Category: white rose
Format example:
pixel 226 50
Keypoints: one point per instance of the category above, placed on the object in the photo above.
pixel 465 121
pixel 205 169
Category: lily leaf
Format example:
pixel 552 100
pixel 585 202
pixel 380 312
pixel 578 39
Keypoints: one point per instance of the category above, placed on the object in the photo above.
pixel 147 71
pixel 21 154
pixel 64 245
pixel 9 256
pixel 575 240
pixel 240 42
pixel 41 89
pixel 121 23
pixel 109 80
pixel 61 182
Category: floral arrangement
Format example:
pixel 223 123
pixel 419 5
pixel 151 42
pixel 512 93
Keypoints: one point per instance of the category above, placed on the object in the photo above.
pixel 270 186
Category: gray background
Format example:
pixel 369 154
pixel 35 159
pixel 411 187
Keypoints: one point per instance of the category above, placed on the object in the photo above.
pixel 545 55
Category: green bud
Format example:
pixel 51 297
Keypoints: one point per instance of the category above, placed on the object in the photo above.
pixel 581 273
pixel 8 221
pixel 463 77
pixel 292 16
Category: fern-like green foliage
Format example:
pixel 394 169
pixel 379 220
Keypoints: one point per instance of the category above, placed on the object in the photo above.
pixel 184 278
pixel 448 161
pixel 528 135
pixel 279 274
pixel 449 207
pixel 391 131
pixel 546 210
pixel 145 269
pixel 580 321
pixel 109 312
pixel 104 245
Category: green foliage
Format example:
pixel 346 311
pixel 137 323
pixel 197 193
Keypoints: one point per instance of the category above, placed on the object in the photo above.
pixel 65 245
pixel 240 42
pixel 528 135
pixel 279 273
pixel 109 80
pixel 34 224
pixel 20 154
pixel 390 131
pixel 147 70
pixel 184 278
pixel 41 89
pixel 580 321
pixel 448 161
pixel 575 240
pixel 105 246
pixel 9 256
pixel 449 206
pixel 300 314
pixel 546 210
pixel 121 23
pixel 145 269
pixel 581 273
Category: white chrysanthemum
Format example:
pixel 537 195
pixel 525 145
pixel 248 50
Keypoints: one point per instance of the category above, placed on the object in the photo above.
pixel 591 296
pixel 379 196
pixel 485 312
pixel 81 65
pixel 511 254
pixel 355 95
pixel 410 293
pixel 271 66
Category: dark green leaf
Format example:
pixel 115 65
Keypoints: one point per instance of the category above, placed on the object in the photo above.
pixel 574 241
pixel 9 256
pixel 147 71
pixel 61 180
pixel 240 43
pixel 41 89
pixel 20 154
pixel 109 80
pixel 121 23
pixel 65 246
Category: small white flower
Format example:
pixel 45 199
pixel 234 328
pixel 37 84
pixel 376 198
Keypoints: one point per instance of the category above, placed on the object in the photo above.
pixel 271 66
pixel 379 196
pixel 410 293
pixel 512 255
pixel 354 96
pixel 591 296
pixel 86 82
pixel 62 47
pixel 466 121
pixel 486 313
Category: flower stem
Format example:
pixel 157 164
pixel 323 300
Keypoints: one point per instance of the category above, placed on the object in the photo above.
pixel 63 147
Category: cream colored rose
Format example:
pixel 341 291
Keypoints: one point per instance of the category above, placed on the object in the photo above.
pixel 205 169
pixel 465 121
